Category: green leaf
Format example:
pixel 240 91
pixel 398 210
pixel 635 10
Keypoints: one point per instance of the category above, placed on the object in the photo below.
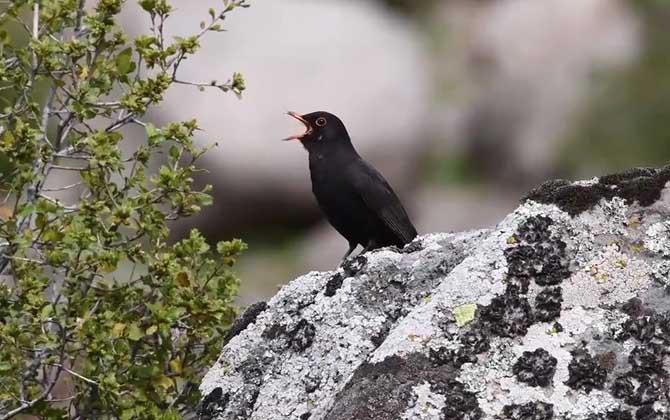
pixel 25 210
pixel 174 152
pixel 134 332
pixel 124 61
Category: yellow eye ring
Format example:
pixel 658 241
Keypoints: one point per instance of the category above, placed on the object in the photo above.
pixel 321 121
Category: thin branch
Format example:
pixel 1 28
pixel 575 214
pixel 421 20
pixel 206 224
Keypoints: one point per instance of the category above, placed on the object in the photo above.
pixel 36 20
pixel 57 202
pixel 73 373
pixel 66 187
pixel 223 86
pixel 67 168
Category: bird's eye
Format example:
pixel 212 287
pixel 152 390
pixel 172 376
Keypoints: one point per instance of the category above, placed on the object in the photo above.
pixel 321 121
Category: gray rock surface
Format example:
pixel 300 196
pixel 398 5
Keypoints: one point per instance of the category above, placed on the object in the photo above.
pixel 562 311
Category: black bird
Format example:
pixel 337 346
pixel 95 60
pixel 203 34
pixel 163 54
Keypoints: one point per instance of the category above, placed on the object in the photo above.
pixel 354 196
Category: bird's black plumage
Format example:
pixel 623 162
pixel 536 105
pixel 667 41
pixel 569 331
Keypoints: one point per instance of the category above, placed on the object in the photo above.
pixel 353 195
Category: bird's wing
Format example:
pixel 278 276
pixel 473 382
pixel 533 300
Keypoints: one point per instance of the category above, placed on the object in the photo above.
pixel 380 198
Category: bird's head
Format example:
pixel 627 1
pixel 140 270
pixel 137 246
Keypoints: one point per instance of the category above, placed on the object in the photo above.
pixel 322 129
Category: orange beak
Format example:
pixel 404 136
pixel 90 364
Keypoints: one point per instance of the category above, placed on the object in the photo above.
pixel 308 127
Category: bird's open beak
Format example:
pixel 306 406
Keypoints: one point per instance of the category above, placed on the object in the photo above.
pixel 308 127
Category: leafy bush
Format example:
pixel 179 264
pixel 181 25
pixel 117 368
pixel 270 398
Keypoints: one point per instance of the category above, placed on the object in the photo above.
pixel 100 316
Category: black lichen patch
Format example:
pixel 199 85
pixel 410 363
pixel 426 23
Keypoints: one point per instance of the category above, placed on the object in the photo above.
pixel 642 329
pixel 252 371
pixel 537 256
pixel 638 389
pixel 531 411
pixel 414 246
pixel 627 175
pixel 298 338
pixel 633 307
pixel 534 230
pixel 457 358
pixel 648 328
pixel 248 317
pixel 648 412
pixel 646 383
pixel 213 404
pixel 274 331
pixel 585 372
pixel 302 336
pixel 352 266
pixel 305 416
pixel 378 337
pixel 647 359
pixel 380 391
pixel 508 315
pixel 554 264
pixel 535 368
pixel 460 404
pixel 521 261
pixel 312 383
pixel 548 304
pixel 476 339
pixel 641 185
pixel 440 356
pixel 571 198
pixel 616 414
pixel 333 285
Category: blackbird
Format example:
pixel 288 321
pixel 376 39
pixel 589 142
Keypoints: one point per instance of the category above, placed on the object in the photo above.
pixel 354 196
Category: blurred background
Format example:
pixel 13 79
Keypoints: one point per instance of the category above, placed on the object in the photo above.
pixel 463 105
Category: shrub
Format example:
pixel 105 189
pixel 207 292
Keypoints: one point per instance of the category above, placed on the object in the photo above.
pixel 101 316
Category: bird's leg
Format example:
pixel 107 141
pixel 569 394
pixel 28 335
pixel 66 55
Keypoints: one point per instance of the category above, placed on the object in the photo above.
pixel 352 246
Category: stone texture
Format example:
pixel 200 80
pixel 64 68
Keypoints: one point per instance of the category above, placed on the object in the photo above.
pixel 561 311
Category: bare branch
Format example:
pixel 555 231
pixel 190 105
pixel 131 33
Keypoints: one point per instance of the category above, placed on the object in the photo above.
pixel 73 373
pixel 63 188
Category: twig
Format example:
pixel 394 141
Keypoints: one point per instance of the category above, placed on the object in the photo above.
pixel 36 19
pixel 67 168
pixel 73 373
pixel 66 187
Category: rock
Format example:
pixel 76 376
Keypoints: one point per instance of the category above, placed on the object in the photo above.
pixel 524 73
pixel 296 55
pixel 562 311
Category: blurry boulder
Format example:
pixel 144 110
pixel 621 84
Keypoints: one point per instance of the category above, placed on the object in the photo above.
pixel 523 69
pixel 352 58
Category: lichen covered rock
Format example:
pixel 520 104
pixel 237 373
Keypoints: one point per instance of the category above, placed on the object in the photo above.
pixel 562 311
